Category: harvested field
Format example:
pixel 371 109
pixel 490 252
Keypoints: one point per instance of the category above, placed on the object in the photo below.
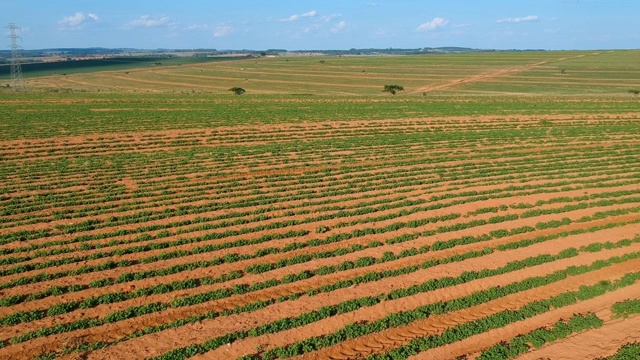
pixel 326 227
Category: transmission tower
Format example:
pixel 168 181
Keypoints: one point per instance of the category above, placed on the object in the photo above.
pixel 17 83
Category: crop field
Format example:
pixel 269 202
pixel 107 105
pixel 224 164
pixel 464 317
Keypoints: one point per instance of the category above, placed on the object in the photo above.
pixel 489 211
pixel 551 73
pixel 68 68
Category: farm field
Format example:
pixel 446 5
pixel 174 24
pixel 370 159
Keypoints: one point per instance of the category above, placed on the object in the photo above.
pixel 489 211
pixel 122 63
pixel 557 73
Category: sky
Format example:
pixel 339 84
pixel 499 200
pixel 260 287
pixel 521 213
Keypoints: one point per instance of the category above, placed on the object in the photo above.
pixel 329 24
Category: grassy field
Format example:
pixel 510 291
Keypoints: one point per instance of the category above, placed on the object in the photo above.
pixel 611 73
pixel 490 211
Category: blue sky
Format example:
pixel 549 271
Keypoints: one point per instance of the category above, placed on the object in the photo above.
pixel 329 24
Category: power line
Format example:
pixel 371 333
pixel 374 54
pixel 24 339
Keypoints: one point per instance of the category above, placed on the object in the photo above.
pixel 17 83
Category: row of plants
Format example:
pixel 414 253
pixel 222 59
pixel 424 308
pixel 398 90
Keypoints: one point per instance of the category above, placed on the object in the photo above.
pixel 23 206
pixel 366 278
pixel 539 337
pixel 110 264
pixel 155 245
pixel 165 245
pixel 238 289
pixel 25 235
pixel 629 351
pixel 280 109
pixel 626 308
pixel 354 304
pixel 39 235
pixel 503 318
pixel 393 320
pixel 324 270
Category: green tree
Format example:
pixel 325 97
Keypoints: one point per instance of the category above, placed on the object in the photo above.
pixel 393 89
pixel 237 90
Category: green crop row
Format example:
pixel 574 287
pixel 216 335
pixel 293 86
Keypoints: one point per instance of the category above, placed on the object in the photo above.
pixel 209 248
pixel 245 288
pixel 538 338
pixel 280 109
pixel 628 352
pixel 397 319
pixel 193 283
pixel 146 237
pixel 110 264
pixel 506 317
pixel 626 308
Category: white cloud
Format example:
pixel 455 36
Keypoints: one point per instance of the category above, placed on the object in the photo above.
pixel 198 27
pixel 148 21
pixel 328 18
pixel 222 31
pixel 77 19
pixel 339 27
pixel 373 4
pixel 519 19
pixel 433 24
pixel 297 17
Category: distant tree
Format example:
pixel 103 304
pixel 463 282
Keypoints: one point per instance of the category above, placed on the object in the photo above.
pixel 393 89
pixel 237 90
pixel 634 92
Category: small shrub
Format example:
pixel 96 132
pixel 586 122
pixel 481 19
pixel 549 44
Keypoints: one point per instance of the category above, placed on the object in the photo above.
pixel 322 229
